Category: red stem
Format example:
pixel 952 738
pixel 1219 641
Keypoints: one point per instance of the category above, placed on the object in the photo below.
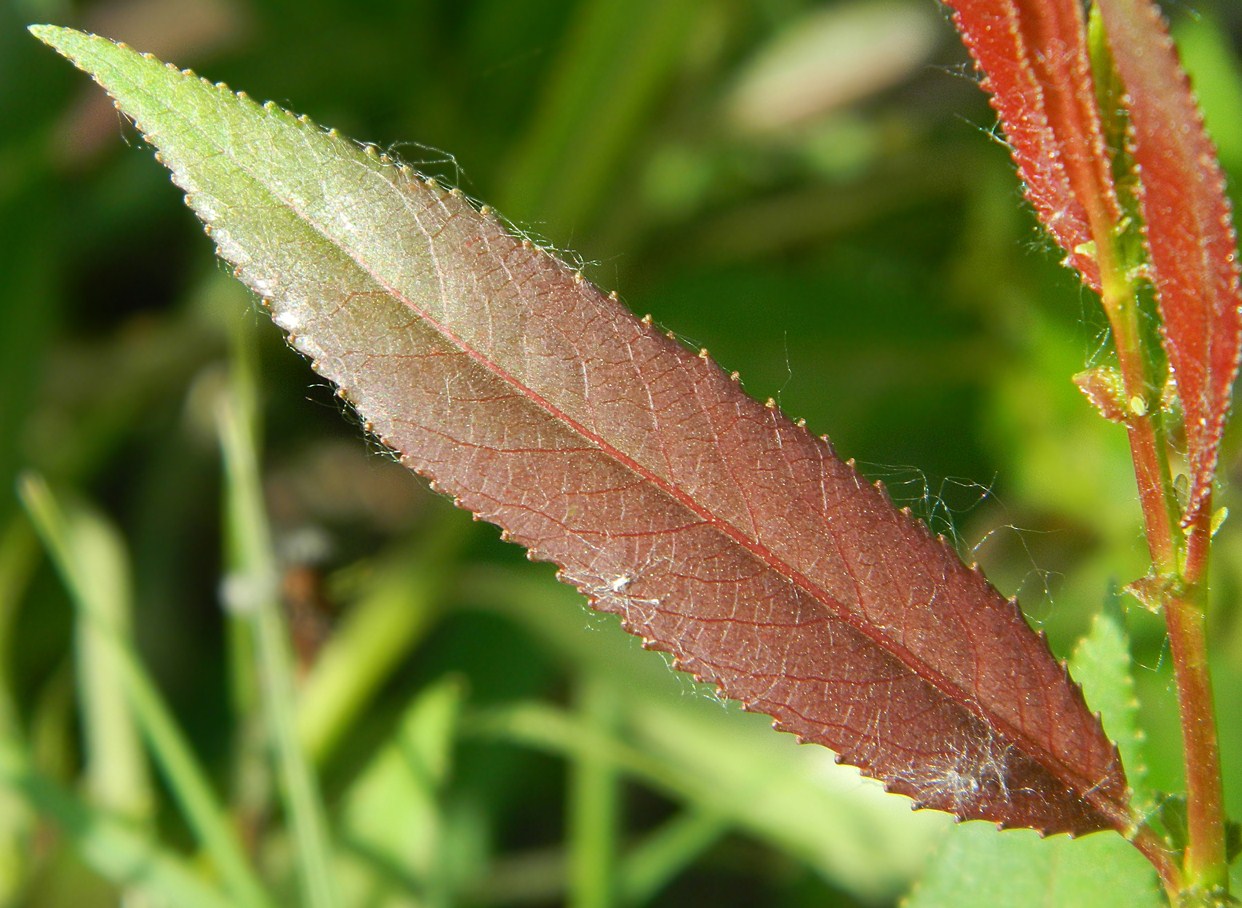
pixel 1184 605
pixel 1185 615
pixel 1153 848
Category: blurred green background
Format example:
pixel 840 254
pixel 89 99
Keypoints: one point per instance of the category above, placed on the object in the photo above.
pixel 811 190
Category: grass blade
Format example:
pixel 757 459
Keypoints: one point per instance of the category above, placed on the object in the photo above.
pixel 253 585
pixel 169 748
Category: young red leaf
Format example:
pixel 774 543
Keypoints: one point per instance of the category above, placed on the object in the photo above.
pixel 1191 245
pixel 716 529
pixel 1036 67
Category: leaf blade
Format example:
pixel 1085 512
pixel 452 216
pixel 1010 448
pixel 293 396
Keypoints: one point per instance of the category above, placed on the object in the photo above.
pixel 717 529
pixel 1188 230
pixel 1034 59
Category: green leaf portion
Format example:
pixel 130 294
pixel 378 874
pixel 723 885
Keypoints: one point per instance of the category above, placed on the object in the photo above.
pixel 982 868
pixel 1101 664
pixel 392 818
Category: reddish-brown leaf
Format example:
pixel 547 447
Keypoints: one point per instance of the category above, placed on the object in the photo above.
pixel 1037 70
pixel 1191 245
pixel 717 529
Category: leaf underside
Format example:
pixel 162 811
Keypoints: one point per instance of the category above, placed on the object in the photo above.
pixel 1188 229
pixel 717 529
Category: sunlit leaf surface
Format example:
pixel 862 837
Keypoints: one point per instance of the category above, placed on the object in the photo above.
pixel 718 530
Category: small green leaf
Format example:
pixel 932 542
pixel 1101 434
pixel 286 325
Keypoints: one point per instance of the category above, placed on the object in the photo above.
pixel 1101 664
pixel 982 868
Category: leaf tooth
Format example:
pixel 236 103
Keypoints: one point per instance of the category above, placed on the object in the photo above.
pixel 646 319
pixel 800 423
pixel 671 335
pixel 735 377
pixel 612 295
pixel 578 277
pixel 770 403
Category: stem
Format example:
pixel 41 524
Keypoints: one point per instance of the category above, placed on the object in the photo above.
pixel 1183 597
pixel 1185 615
pixel 1152 846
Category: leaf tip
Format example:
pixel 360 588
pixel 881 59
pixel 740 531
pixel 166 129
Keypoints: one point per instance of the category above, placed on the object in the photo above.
pixel 65 41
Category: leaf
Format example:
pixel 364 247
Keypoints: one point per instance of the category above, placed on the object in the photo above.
pixel 1104 388
pixel 979 867
pixel 1191 244
pixel 1101 663
pixel 1034 57
pixel 719 531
